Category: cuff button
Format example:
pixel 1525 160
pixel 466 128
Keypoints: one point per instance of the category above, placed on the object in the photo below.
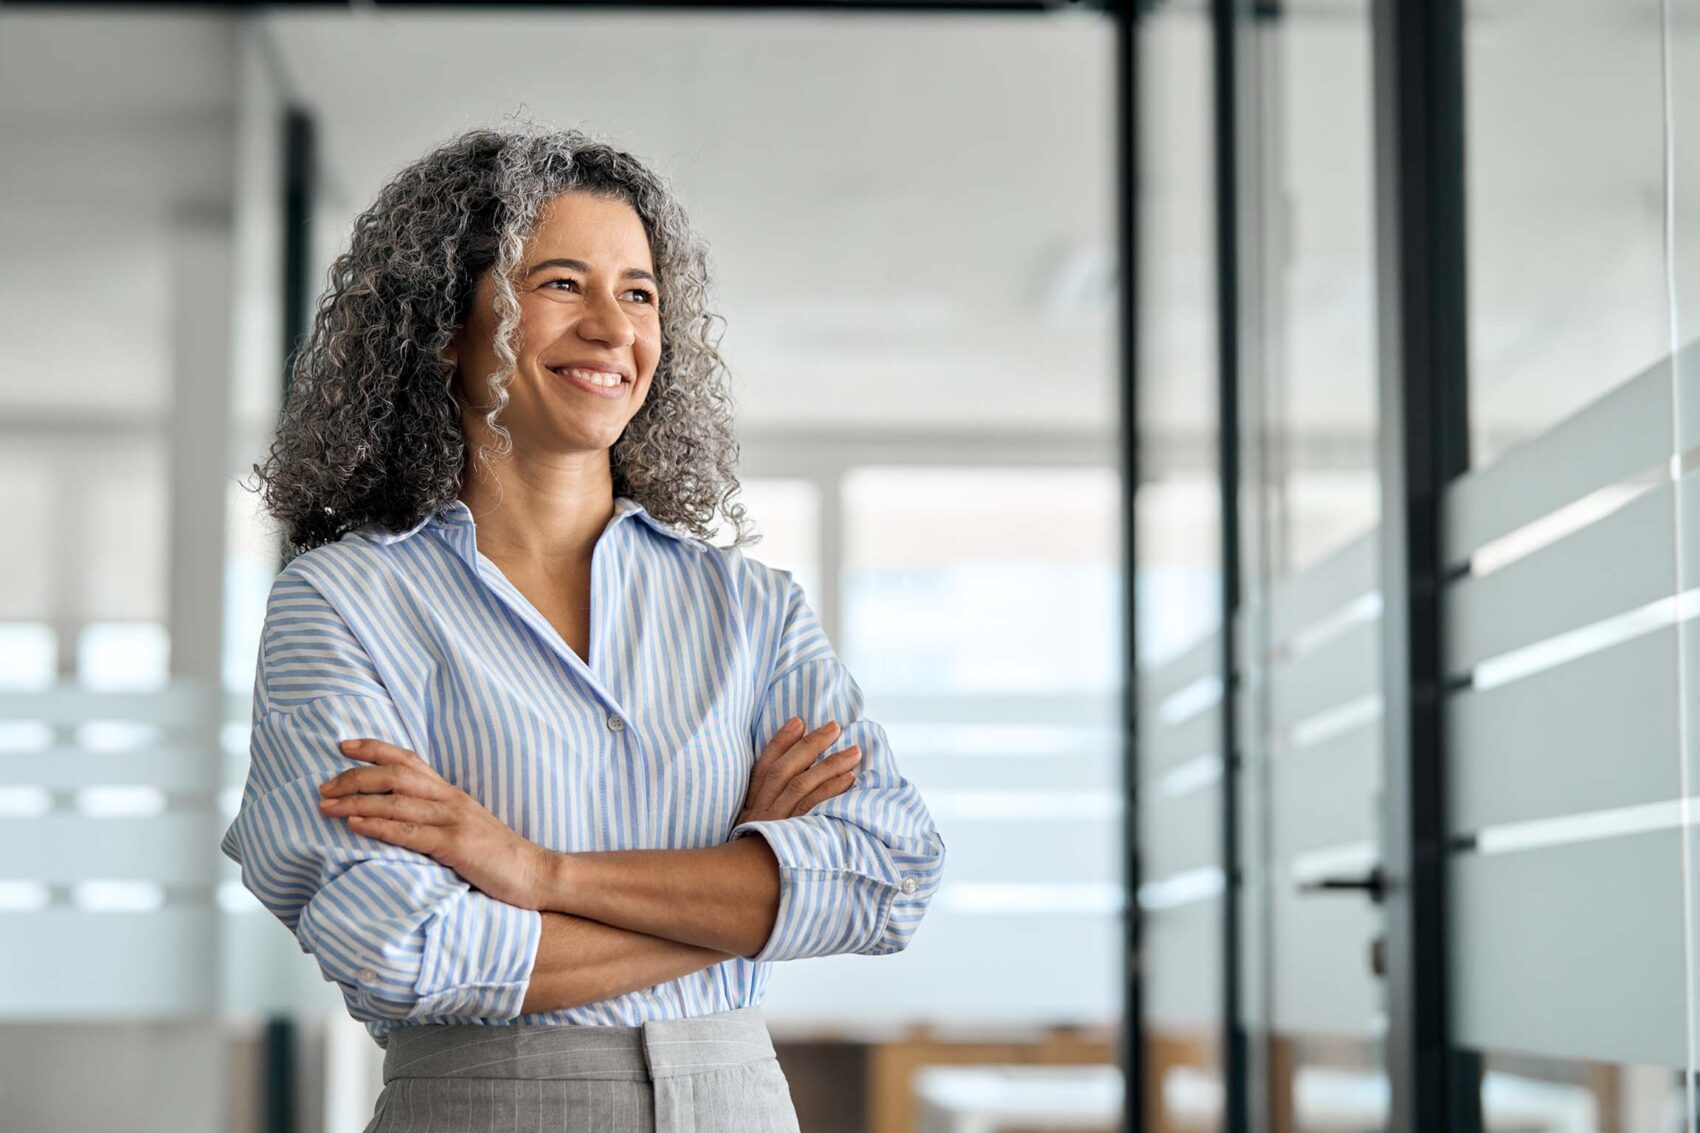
pixel 908 885
pixel 368 974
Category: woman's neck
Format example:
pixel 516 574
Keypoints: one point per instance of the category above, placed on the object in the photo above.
pixel 540 515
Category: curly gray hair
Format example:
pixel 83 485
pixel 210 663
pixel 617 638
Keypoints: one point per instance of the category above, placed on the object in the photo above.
pixel 370 428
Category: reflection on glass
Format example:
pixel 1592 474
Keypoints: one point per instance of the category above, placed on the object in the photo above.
pixel 981 580
pixel 1565 201
pixel 1563 972
pixel 1311 728
pixel 980 613
pixel 1178 575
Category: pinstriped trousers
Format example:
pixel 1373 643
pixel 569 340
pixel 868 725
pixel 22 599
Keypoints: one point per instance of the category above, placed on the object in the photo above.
pixel 712 1074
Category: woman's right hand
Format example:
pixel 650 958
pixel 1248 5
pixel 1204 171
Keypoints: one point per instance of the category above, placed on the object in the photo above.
pixel 787 782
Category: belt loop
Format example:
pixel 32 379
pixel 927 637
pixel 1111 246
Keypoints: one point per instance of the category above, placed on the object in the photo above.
pixel 674 1047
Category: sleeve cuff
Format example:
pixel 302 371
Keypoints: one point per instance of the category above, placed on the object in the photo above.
pixel 831 899
pixel 476 963
pixel 482 960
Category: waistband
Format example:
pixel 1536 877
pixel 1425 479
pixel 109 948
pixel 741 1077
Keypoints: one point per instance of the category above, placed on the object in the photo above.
pixel 662 1048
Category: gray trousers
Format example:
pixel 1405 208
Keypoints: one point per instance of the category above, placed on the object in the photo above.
pixel 711 1074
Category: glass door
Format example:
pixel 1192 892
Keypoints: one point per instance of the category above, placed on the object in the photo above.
pixel 1309 721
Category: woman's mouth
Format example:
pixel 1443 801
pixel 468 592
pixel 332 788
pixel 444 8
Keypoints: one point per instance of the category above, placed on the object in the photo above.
pixel 602 383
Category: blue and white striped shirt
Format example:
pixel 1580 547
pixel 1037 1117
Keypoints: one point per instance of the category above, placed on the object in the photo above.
pixel 697 655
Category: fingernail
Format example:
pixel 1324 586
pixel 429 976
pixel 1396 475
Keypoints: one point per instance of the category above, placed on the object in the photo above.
pixel 350 745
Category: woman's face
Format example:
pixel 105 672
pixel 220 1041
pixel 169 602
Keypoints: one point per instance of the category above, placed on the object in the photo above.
pixel 587 298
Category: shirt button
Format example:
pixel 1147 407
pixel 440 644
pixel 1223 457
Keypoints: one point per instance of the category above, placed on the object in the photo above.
pixel 615 724
pixel 908 885
pixel 368 974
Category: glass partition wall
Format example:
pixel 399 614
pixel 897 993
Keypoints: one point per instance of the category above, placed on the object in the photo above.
pixel 1536 786
pixel 1178 583
pixel 1565 629
pixel 1309 618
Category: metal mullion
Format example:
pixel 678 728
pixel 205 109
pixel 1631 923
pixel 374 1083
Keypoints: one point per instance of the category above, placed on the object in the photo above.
pixel 1225 116
pixel 1419 133
pixel 1126 116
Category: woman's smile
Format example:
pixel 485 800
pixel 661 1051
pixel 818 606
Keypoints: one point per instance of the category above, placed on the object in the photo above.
pixel 599 382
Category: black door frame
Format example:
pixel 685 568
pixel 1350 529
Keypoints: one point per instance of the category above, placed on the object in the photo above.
pixel 1418 67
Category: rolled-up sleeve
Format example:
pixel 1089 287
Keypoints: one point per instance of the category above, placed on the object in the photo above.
pixel 402 936
pixel 858 871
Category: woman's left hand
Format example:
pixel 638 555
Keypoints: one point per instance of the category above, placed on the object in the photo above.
pixel 402 800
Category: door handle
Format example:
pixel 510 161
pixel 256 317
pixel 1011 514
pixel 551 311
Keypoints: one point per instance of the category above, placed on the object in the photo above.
pixel 1371 884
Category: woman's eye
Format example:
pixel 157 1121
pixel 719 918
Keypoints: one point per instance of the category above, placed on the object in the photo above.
pixel 649 296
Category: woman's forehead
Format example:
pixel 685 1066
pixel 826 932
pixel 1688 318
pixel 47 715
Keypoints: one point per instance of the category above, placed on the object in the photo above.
pixel 601 232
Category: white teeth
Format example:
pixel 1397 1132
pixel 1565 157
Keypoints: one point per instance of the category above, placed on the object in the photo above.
pixel 596 377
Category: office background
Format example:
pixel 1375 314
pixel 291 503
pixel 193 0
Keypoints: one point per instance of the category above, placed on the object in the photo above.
pixel 911 219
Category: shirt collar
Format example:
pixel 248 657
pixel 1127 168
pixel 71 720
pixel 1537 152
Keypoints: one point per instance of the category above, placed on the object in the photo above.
pixel 456 514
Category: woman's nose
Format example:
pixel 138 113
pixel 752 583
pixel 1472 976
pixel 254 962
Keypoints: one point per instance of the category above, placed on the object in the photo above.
pixel 604 321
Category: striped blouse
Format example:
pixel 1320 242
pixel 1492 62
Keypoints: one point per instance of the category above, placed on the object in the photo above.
pixel 697 655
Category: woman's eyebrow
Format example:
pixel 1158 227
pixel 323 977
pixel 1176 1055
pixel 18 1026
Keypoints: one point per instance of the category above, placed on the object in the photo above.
pixel 580 265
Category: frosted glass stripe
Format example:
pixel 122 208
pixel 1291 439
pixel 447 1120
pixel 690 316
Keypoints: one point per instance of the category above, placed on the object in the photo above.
pixel 180 705
pixel 1185 888
pixel 62 848
pixel 1014 772
pixel 1573 951
pixel 1026 805
pixel 109 965
pixel 1072 710
pixel 1178 834
pixel 1300 601
pixel 1542 833
pixel 830 994
pixel 1049 850
pixel 1598 732
pixel 1624 561
pixel 1193 775
pixel 978 899
pixel 1345 669
pixel 1190 700
pixel 1161 748
pixel 169 769
pixel 1182 946
pixel 1614 437
pixel 1199 660
pixel 1324 795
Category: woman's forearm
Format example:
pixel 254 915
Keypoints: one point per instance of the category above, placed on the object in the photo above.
pixel 582 961
pixel 725 897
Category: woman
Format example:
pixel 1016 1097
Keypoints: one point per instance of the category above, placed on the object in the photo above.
pixel 534 877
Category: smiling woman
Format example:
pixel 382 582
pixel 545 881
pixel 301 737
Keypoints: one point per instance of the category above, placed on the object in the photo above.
pixel 592 802
pixel 505 238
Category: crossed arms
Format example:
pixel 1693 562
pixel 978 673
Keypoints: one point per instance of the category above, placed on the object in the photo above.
pixel 406 938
